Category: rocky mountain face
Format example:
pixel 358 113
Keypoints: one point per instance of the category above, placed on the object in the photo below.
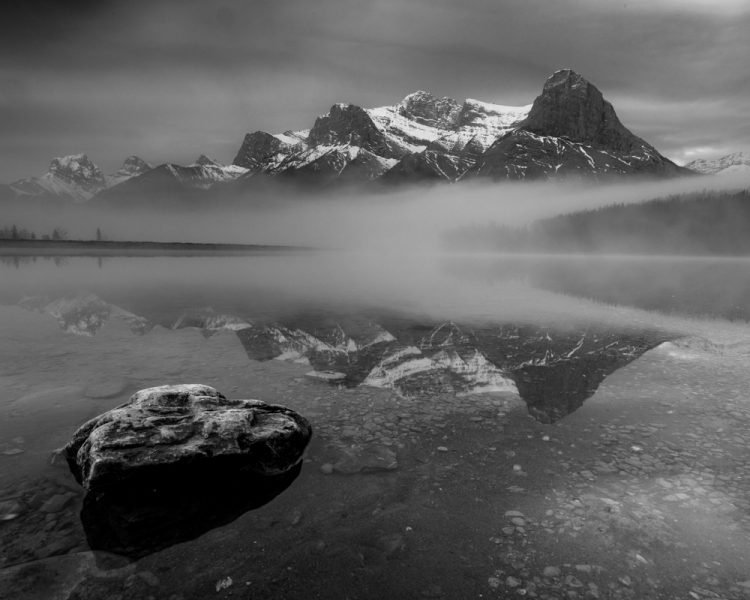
pixel 572 130
pixel 170 181
pixel 74 177
pixel 77 178
pixel 737 162
pixel 569 130
pixel 133 166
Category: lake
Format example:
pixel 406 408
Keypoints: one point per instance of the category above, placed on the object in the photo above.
pixel 551 427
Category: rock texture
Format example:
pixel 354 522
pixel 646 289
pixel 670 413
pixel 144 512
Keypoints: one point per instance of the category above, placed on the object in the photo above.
pixel 571 130
pixel 185 431
pixel 570 107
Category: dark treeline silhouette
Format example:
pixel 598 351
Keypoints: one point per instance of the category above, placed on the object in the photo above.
pixel 58 233
pixel 705 223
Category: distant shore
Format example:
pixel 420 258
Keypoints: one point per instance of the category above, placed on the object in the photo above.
pixel 111 248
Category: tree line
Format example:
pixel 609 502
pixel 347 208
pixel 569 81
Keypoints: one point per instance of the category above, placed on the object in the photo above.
pixel 708 223
pixel 13 232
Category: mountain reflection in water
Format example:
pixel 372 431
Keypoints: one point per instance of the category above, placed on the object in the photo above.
pixel 419 483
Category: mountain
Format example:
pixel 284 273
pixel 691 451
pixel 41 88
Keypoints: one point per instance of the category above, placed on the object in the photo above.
pixel 133 166
pixel 738 162
pixel 73 177
pixel 572 130
pixel 169 182
pixel 569 130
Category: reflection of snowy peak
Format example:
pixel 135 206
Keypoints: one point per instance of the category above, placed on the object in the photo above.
pixel 370 355
pixel 738 162
pixel 209 321
pixel 84 314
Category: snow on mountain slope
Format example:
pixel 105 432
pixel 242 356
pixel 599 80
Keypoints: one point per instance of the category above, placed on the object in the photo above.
pixel 349 142
pixel 454 128
pixel 569 130
pixel 205 172
pixel 737 162
pixel 73 176
pixel 131 167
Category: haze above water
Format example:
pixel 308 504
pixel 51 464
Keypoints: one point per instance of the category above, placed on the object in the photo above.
pixel 411 219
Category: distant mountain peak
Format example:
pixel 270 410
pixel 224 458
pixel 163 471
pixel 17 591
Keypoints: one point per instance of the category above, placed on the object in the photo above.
pixel 566 77
pixel 570 130
pixel 73 176
pixel 259 149
pixel 430 110
pixel 207 161
pixel 731 163
pixel 77 169
pixel 132 166
pixel 135 165
pixel 349 124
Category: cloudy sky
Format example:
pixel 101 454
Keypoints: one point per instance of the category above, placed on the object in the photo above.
pixel 171 79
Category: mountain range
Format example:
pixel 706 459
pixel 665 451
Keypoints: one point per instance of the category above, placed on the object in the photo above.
pixel 737 162
pixel 569 130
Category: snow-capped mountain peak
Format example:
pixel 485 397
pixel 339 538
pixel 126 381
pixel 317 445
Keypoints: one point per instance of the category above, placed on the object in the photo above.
pixel 73 176
pixel 132 166
pixel 735 162
pixel 77 169
pixel 206 161
pixel 569 130
pixel 424 108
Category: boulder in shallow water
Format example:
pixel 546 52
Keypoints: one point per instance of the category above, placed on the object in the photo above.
pixel 177 461
pixel 186 431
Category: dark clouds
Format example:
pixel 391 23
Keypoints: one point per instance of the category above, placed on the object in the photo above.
pixel 170 79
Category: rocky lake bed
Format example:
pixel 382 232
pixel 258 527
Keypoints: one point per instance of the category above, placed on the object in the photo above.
pixel 432 471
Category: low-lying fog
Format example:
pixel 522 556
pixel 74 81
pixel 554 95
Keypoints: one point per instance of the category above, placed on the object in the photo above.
pixel 406 219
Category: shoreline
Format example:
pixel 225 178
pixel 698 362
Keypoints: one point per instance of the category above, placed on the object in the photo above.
pixel 113 248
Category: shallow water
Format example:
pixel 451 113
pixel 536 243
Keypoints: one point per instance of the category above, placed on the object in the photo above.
pixel 642 492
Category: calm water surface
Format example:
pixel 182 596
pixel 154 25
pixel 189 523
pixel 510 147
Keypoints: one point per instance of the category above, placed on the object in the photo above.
pixel 643 492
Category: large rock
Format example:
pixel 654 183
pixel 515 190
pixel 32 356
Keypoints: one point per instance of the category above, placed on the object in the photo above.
pixel 185 431
pixel 177 461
